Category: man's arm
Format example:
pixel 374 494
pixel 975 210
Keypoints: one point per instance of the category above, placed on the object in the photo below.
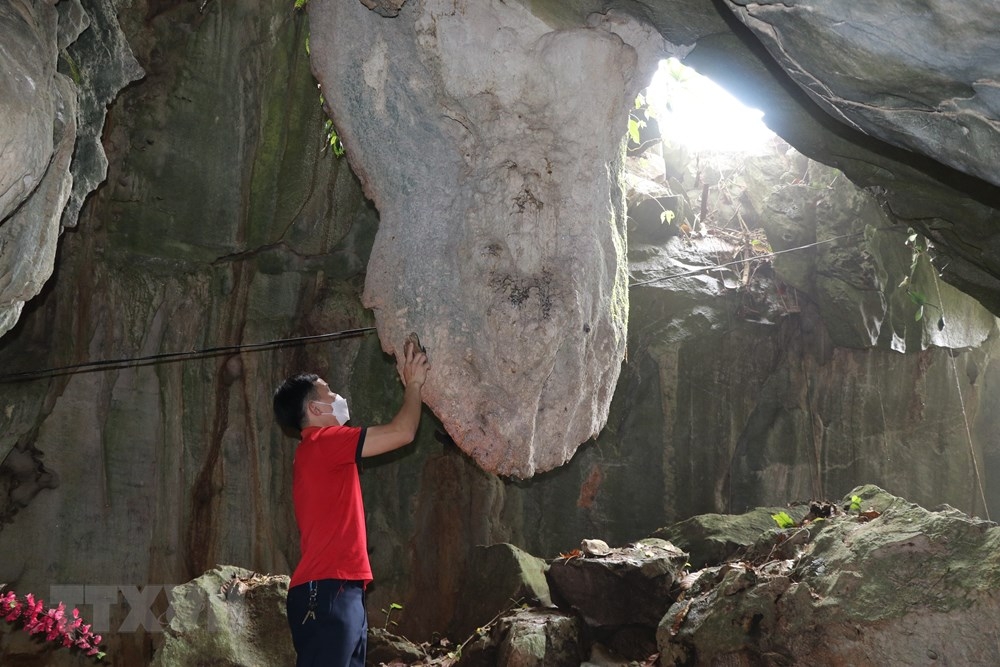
pixel 403 427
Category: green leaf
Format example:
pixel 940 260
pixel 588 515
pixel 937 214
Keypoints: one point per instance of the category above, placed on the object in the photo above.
pixel 633 129
pixel 395 605
pixel 919 315
pixel 332 138
pixel 783 520
pixel 667 217
pixel 917 297
pixel 855 503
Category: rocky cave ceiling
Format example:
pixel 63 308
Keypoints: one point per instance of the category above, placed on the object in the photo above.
pixel 489 137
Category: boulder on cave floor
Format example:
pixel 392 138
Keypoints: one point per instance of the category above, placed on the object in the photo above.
pixel 872 579
pixel 498 577
pixel 627 586
pixel 883 581
pixel 714 538
pixel 228 617
pixel 619 594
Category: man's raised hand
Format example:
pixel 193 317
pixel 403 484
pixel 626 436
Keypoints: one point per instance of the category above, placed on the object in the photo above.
pixel 415 364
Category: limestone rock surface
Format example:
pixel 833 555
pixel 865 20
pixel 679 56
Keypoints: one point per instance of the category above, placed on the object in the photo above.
pixel 498 577
pixel 714 538
pixel 228 616
pixel 927 79
pixel 48 119
pixel 879 584
pixel 869 579
pixel 540 638
pixel 38 126
pixel 629 586
pixel 491 144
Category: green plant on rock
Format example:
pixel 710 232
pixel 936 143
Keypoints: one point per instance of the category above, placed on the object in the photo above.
pixel 388 612
pixel 919 249
pixel 634 122
pixel 637 117
pixel 331 137
pixel 74 68
pixel 783 520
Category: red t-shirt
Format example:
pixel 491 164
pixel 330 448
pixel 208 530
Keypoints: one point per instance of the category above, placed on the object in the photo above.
pixel 326 491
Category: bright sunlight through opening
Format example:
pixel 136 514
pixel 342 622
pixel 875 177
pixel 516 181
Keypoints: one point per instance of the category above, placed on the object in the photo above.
pixel 695 112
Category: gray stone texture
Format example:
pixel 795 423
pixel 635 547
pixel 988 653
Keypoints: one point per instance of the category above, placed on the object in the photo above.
pixel 38 115
pixel 630 586
pixel 225 220
pixel 882 585
pixel 918 74
pixel 517 283
pixel 227 616
pixel 51 123
pixel 498 577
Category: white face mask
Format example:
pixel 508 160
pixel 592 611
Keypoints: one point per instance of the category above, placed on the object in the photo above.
pixel 339 408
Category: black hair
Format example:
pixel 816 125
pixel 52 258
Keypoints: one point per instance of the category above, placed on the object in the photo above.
pixel 290 401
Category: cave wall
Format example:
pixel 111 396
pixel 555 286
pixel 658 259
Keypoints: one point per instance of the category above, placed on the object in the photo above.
pixel 62 64
pixel 225 219
pixel 216 225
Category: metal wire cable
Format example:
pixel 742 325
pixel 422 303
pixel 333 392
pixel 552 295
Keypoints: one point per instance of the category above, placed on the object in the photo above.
pixel 126 362
pixel 704 269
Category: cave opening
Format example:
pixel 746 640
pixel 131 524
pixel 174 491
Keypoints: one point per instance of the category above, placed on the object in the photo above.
pixel 699 115
pixel 700 168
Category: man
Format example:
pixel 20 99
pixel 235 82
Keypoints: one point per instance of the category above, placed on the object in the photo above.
pixel 326 596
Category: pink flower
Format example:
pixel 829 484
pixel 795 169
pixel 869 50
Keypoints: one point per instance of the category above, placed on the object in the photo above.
pixel 14 613
pixel 54 622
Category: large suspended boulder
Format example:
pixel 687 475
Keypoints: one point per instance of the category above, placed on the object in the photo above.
pixel 491 143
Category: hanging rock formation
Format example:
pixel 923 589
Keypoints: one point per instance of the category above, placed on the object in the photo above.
pixel 50 124
pixel 491 144
pixel 927 79
pixel 489 139
pixel 494 175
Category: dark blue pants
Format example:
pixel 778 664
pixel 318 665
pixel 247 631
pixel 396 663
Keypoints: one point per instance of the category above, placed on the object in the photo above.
pixel 338 635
